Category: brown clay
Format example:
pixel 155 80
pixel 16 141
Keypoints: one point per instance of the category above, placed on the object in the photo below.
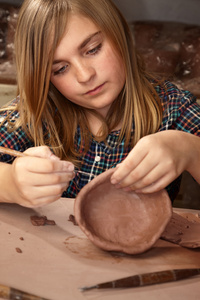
pixel 116 220
pixel 41 221
pixel 183 230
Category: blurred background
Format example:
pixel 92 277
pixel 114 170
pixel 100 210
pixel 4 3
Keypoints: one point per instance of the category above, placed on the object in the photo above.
pixel 180 10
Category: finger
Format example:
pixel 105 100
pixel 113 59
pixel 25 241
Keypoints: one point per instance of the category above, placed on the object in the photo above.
pixel 137 176
pixel 39 202
pixel 150 177
pixel 34 194
pixel 160 184
pixel 41 151
pixel 43 165
pixel 127 166
pixel 38 179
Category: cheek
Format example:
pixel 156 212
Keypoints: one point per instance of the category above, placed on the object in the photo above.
pixel 114 64
pixel 118 72
pixel 64 86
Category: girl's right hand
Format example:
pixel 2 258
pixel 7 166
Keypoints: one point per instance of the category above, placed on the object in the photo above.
pixel 38 178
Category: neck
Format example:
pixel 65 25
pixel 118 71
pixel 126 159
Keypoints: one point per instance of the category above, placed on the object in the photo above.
pixel 96 123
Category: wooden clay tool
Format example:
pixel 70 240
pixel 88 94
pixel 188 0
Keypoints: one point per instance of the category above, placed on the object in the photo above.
pixel 11 294
pixel 11 152
pixel 146 279
pixel 15 153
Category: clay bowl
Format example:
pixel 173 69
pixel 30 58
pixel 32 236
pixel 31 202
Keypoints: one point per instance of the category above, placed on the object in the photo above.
pixel 115 220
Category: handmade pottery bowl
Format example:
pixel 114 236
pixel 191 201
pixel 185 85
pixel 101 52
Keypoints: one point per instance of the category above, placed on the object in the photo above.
pixel 116 220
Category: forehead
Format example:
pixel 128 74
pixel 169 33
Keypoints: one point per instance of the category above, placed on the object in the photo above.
pixel 77 21
pixel 78 29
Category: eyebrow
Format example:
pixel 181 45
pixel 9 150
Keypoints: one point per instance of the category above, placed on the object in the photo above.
pixel 87 40
pixel 82 45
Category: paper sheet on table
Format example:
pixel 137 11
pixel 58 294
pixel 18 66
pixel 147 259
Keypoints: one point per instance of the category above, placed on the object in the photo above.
pixel 57 260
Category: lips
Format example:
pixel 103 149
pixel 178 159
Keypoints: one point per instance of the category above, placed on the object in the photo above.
pixel 95 90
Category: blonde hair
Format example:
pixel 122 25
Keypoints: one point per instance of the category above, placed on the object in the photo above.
pixel 40 28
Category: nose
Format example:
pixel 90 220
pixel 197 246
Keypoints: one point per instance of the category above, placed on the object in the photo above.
pixel 84 72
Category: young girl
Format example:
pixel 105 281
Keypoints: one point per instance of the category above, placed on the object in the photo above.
pixel 86 102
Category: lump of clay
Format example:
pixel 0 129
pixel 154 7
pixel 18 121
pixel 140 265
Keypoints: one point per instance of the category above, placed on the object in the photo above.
pixel 116 220
pixel 183 231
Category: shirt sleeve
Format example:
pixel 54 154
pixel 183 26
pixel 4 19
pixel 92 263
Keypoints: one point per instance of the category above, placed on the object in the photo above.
pixel 180 109
pixel 15 139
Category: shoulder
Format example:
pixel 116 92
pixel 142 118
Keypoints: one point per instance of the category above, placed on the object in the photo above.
pixel 9 112
pixel 11 134
pixel 180 109
pixel 172 96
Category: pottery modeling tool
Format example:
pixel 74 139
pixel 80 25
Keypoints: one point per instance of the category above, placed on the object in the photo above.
pixel 146 279
pixel 11 152
pixel 11 294
pixel 15 153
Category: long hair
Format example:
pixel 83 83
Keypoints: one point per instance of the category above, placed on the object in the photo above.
pixel 47 116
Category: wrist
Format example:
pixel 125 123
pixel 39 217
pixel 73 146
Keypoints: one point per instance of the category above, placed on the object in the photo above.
pixel 193 152
pixel 6 191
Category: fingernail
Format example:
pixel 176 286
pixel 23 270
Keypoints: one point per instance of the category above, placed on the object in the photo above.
pixel 113 181
pixel 54 157
pixel 70 167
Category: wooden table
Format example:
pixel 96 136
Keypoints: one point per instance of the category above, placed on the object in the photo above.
pixel 57 260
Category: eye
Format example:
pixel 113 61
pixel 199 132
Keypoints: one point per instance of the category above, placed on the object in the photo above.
pixel 61 70
pixel 94 50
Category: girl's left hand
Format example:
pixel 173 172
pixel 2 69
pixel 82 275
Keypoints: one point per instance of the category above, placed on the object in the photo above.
pixel 155 161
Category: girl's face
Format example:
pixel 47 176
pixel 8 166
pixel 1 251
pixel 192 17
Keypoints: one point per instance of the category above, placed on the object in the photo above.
pixel 86 68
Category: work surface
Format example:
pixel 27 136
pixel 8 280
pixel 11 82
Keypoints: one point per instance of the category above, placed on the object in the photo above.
pixel 57 260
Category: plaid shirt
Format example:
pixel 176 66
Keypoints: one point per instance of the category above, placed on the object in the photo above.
pixel 180 112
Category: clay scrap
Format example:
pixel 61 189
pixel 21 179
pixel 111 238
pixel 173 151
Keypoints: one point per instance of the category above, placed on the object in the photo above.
pixel 116 220
pixel 41 221
pixel 72 219
pixel 18 250
pixel 183 230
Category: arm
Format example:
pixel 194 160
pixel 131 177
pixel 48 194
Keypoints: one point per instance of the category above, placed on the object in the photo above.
pixel 159 158
pixel 36 179
pixel 194 166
